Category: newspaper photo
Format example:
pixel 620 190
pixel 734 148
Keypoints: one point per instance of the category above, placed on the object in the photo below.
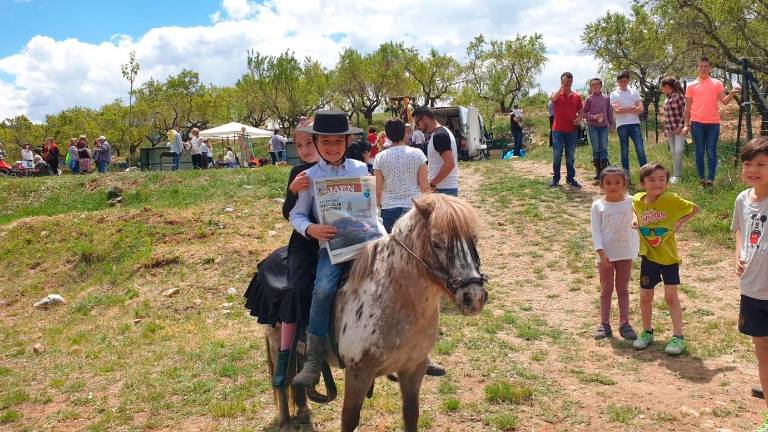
pixel 349 204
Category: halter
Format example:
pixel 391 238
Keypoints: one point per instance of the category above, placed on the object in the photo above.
pixel 449 283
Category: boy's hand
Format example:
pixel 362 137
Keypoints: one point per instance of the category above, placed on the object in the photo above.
pixel 299 183
pixel 740 266
pixel 321 232
pixel 635 225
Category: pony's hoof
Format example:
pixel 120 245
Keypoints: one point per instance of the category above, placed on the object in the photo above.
pixel 288 427
pixel 303 417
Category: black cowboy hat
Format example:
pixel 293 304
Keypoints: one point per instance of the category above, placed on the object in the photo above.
pixel 330 122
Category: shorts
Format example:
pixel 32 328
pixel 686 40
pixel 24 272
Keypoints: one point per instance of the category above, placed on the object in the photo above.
pixel 651 273
pixel 753 316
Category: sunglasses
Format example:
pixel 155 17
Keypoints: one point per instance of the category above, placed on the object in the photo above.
pixel 660 231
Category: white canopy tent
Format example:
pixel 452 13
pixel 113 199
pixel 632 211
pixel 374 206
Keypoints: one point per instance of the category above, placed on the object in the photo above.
pixel 240 136
pixel 233 129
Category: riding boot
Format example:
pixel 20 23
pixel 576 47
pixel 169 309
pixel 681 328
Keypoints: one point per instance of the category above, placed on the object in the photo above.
pixel 310 373
pixel 596 164
pixel 281 369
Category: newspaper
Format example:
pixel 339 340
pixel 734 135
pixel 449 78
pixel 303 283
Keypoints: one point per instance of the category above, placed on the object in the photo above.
pixel 349 204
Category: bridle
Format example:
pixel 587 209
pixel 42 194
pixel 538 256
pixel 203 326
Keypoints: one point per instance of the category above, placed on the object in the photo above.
pixel 448 282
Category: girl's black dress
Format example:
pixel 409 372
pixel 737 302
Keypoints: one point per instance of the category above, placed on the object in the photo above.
pixel 281 289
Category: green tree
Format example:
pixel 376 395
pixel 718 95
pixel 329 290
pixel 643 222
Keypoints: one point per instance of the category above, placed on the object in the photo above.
pixel 288 89
pixel 130 70
pixel 503 71
pixel 640 43
pixel 723 30
pixel 366 81
pixel 437 75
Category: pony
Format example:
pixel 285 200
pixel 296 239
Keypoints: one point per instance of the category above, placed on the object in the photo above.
pixel 386 313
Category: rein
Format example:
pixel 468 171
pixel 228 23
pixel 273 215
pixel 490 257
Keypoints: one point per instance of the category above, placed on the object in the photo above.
pixel 449 283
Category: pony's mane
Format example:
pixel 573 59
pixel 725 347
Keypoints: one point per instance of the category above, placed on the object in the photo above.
pixel 446 214
pixel 450 214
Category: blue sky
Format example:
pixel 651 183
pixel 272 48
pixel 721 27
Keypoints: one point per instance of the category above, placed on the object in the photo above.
pixel 94 21
pixel 56 54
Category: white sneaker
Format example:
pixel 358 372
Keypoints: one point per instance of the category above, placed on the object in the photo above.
pixel 674 180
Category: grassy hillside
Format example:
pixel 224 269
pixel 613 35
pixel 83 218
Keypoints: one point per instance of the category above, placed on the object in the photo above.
pixel 119 355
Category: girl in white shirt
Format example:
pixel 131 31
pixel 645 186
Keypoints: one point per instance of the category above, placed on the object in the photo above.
pixel 616 244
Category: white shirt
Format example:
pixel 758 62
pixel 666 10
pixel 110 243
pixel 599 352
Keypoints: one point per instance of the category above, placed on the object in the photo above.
pixel 435 161
pixel 400 167
pixel 27 155
pixel 751 219
pixel 229 157
pixel 612 229
pixel 626 98
pixel 197 142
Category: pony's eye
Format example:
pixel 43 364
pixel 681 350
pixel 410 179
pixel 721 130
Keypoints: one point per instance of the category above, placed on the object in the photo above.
pixel 436 245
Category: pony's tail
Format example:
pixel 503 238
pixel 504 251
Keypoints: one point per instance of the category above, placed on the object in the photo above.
pixel 362 265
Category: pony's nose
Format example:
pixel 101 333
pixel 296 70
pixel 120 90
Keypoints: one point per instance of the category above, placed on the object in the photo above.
pixel 467 300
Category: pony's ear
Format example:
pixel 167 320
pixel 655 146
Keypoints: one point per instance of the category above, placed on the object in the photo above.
pixel 424 209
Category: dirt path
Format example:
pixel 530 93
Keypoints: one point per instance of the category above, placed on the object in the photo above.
pixel 607 385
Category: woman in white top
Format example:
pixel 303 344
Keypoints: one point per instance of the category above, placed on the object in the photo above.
pixel 401 175
pixel 196 144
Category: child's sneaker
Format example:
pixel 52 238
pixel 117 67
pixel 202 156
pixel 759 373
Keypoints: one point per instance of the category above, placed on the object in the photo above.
pixel 627 332
pixel 604 331
pixel 676 346
pixel 645 339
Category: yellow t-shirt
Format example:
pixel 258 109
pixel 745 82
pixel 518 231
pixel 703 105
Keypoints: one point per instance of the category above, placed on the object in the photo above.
pixel 656 221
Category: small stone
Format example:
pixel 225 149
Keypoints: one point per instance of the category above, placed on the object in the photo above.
pixel 271 233
pixel 278 200
pixel 197 302
pixel 226 311
pixel 171 292
pixel 229 209
pixel 226 305
pixel 137 321
pixel 50 300
pixel 38 348
pixel 232 290
pixel 115 201
pixel 500 223
pixel 44 234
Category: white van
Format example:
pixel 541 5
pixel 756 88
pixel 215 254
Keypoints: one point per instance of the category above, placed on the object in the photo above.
pixel 467 126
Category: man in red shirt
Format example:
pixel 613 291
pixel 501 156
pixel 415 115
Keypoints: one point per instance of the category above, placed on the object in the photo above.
pixel 568 107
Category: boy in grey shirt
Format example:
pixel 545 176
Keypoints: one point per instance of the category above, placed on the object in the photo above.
pixel 750 214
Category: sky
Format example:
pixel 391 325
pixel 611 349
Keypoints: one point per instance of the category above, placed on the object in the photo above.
pixel 56 54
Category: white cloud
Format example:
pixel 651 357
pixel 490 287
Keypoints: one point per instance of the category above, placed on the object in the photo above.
pixel 50 75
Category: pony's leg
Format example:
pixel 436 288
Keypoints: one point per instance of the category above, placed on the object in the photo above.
pixel 410 385
pixel 356 385
pixel 303 413
pixel 285 413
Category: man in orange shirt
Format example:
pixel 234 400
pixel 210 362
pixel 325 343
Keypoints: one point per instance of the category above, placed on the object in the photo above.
pixel 702 118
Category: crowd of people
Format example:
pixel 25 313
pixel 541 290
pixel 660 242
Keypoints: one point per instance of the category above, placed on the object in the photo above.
pixel 693 110
pixel 79 158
